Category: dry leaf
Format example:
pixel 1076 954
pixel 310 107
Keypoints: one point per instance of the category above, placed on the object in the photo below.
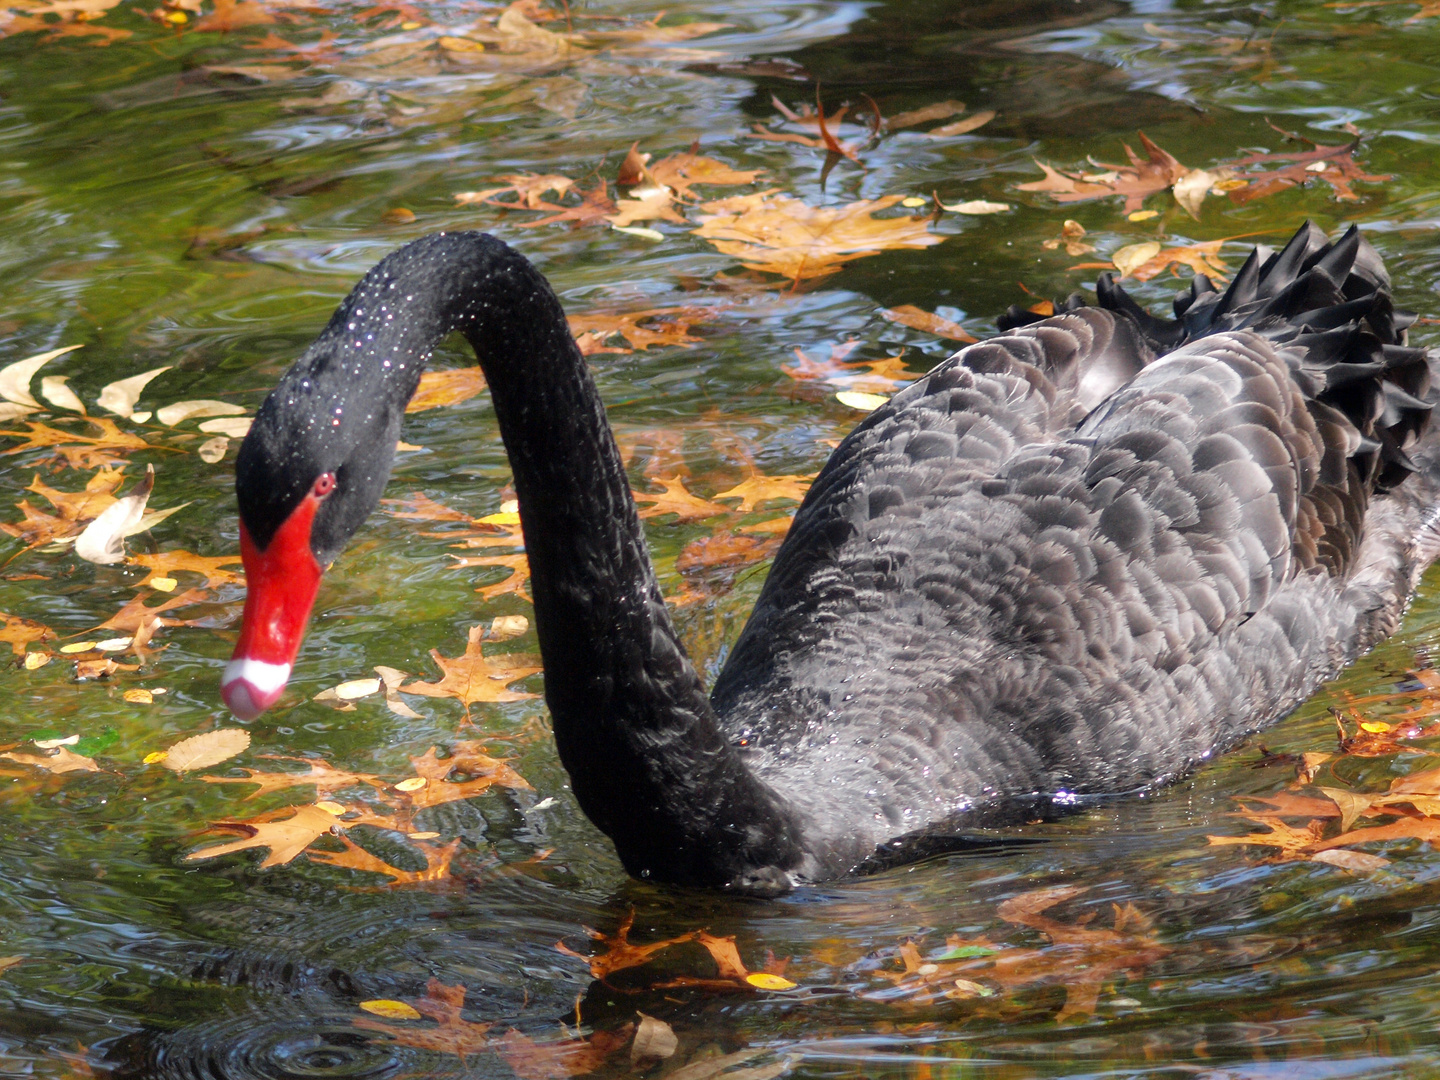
pixel 913 317
pixel 475 677
pixel 757 489
pixel 449 387
pixel 284 836
pixel 15 380
pixel 59 760
pixel 119 397
pixel 170 415
pixel 782 235
pixel 210 748
pixel 675 499
pixel 653 1039
pixel 103 540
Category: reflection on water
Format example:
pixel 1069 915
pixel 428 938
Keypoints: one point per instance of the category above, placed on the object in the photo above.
pixel 201 201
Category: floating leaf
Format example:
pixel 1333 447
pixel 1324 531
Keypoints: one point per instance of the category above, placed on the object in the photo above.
pixel 170 415
pixel 857 400
pixel 203 751
pixel 284 836
pixel 917 319
pixel 782 235
pixel 119 397
pixel 653 1039
pixel 103 540
pixel 1128 258
pixel 59 760
pixel 978 206
pixel 448 387
pixel 391 1010
pixel 54 390
pixel 15 378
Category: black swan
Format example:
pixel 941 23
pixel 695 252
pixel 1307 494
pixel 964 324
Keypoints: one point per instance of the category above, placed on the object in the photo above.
pixel 1056 567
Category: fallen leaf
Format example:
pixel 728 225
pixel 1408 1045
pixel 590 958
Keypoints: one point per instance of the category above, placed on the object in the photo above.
pixel 285 832
pixel 675 499
pixel 1142 177
pixel 454 1034
pixel 1131 256
pixel 474 677
pixel 653 1039
pixel 940 110
pixel 119 397
pixel 448 387
pixel 20 632
pixel 1337 167
pixel 103 540
pixel 1071 235
pixel 758 489
pixel 669 326
pixel 782 235
pixel 560 1059
pixel 621 953
pixel 391 1010
pixel 79 451
pixel 166 564
pixel 963 127
pixel 210 748
pixel 354 857
pixel 325 777
pixel 913 317
pixel 59 760
pixel 530 191
pixel 468 759
pixel 15 380
pixel 977 206
pixel 178 413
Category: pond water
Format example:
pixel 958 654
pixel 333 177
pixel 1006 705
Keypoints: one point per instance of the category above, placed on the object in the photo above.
pixel 197 187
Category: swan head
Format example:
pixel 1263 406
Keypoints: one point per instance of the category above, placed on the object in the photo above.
pixel 310 471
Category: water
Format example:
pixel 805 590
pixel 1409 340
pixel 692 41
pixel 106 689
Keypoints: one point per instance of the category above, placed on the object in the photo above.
pixel 163 208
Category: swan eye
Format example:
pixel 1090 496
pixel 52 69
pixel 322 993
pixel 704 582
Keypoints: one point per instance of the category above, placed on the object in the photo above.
pixel 324 485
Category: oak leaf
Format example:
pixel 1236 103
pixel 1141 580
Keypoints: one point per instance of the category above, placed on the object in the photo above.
pixel 758 489
pixel 563 1058
pixel 475 677
pixel 468 759
pixel 325 777
pixel 79 451
pixel 284 836
pixel 675 499
pixel 1333 164
pixel 454 1035
pixel 621 953
pixel 354 857
pixel 640 329
pixel 20 632
pixel 529 189
pixel 1145 176
pixel 166 564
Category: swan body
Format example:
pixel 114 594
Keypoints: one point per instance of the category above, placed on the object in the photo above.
pixel 1073 560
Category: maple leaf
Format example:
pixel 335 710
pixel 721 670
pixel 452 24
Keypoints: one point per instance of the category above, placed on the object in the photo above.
pixel 913 317
pixel 286 832
pixel 1142 177
pixel 782 235
pixel 757 489
pixel 475 677
pixel 675 499
pixel 666 326
pixel 325 777
pixel 449 387
pixel 354 857
pixel 167 564
pixel 1334 164
pixel 621 953
pixel 453 1035
pixel 20 632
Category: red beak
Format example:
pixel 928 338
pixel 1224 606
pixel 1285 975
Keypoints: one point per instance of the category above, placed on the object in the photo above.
pixel 281 583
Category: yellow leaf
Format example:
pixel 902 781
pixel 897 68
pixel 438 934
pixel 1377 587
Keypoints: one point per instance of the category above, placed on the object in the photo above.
pixel 765 981
pixel 414 783
pixel 391 1010
pixel 1142 215
pixel 155 756
pixel 331 807
pixel 139 697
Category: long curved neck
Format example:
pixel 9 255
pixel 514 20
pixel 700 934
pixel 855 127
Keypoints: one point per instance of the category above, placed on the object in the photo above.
pixel 647 759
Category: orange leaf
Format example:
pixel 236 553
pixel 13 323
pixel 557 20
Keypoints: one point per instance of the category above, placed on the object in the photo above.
pixel 475 677
pixel 449 387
